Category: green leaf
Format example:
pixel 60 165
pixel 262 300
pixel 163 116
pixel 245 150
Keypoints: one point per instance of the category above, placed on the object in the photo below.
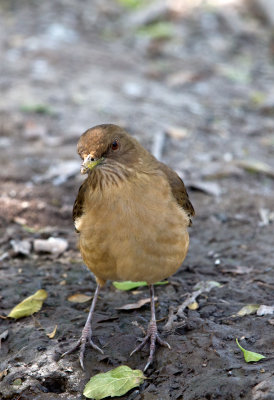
pixel 115 382
pixel 157 30
pixel 128 285
pixel 132 4
pixel 248 309
pixel 30 305
pixel 250 356
pixel 37 109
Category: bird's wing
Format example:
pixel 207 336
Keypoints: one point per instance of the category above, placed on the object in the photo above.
pixel 178 190
pixel 78 207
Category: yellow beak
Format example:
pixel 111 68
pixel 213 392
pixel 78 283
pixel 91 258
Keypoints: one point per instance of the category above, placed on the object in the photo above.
pixel 89 163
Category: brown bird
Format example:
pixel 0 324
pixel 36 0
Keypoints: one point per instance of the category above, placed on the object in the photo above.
pixel 132 214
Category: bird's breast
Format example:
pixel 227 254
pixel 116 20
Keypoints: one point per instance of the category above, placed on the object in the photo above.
pixel 133 231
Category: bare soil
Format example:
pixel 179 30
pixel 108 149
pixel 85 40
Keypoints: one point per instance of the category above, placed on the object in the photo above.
pixel 67 66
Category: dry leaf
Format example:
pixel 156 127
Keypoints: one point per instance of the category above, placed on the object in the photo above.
pixel 266 216
pixel 3 336
pixel 176 132
pixel 3 374
pixel 134 306
pixel 239 270
pixel 211 188
pixel 52 334
pixel 193 306
pixel 79 298
pixel 30 305
pixel 248 309
pixel 255 166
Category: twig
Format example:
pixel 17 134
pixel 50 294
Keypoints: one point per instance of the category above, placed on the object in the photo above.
pixel 201 287
pixel 158 145
pixel 171 319
pixel 189 300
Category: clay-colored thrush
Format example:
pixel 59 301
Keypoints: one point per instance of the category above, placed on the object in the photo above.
pixel 132 214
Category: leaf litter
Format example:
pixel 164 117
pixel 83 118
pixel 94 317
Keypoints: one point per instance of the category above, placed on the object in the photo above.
pixel 52 334
pixel 248 309
pixel 128 285
pixel 115 382
pixel 134 306
pixel 79 298
pixel 29 306
pixel 250 356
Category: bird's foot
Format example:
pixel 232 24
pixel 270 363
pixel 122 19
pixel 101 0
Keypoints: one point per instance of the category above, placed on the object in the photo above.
pixel 154 337
pixel 86 337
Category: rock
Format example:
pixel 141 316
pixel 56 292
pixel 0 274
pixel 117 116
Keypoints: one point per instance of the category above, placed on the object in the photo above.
pixel 52 245
pixel 21 247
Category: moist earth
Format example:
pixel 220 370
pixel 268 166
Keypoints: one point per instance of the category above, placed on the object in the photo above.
pixel 194 84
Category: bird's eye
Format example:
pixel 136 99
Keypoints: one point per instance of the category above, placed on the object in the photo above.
pixel 115 145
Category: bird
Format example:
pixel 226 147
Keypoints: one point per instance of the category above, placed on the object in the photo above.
pixel 132 214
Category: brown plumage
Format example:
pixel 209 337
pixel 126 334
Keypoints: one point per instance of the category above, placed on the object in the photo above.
pixel 132 214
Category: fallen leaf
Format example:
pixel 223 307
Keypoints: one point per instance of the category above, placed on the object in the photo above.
pixel 79 298
pixel 176 132
pixel 17 382
pixel 239 74
pixel 255 166
pixel 3 374
pixel 132 4
pixel 199 288
pixel 29 306
pixel 265 310
pixel 37 108
pixel 115 382
pixel 221 170
pixel 239 270
pixel 3 336
pixel 193 306
pixel 53 333
pixel 248 309
pixel 134 306
pixel 158 144
pixel 181 78
pixel 210 188
pixel 157 30
pixel 266 216
pixel 250 356
pixel 206 286
pixel 128 285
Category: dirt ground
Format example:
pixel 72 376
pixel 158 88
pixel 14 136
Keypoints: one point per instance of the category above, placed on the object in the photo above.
pixel 202 75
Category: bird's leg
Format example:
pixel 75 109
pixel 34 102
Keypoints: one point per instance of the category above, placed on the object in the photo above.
pixel 152 333
pixel 86 336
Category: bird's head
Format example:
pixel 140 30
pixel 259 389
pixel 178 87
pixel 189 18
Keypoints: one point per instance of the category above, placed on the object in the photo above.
pixel 106 144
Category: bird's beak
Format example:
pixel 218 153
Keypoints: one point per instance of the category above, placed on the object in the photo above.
pixel 89 163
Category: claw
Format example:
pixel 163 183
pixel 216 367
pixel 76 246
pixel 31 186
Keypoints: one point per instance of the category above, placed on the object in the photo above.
pixel 86 336
pixel 152 335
